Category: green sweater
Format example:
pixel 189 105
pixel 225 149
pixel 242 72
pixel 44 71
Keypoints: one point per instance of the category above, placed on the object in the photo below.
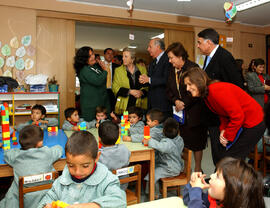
pixel 93 91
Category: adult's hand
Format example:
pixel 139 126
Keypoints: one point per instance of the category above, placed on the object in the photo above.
pixel 222 139
pixel 179 105
pixel 266 87
pixel 102 65
pixel 143 79
pixel 136 93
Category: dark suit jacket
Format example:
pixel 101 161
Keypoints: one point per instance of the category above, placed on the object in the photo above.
pixel 157 97
pixel 114 66
pixel 193 106
pixel 223 67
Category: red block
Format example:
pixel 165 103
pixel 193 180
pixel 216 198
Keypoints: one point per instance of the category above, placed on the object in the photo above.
pixel 146 131
pixel 5 127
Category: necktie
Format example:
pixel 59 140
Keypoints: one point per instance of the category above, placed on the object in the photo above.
pixel 207 61
pixel 109 76
pixel 154 63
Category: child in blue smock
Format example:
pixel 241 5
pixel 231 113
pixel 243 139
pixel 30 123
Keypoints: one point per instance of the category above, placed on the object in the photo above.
pixel 169 149
pixel 31 159
pixel 135 132
pixel 114 156
pixel 85 182
pixel 38 118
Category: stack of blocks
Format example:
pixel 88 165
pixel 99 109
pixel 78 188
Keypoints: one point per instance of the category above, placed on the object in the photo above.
pixel 82 126
pixel 125 124
pixel 146 134
pixel 5 126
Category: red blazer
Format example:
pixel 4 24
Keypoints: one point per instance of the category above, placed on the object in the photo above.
pixel 234 106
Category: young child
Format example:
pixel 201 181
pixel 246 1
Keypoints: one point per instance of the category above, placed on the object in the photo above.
pixel 73 120
pixel 101 116
pixel 84 181
pixel 169 162
pixel 154 119
pixel 38 114
pixel 31 159
pixel 114 156
pixel 135 131
pixel 235 184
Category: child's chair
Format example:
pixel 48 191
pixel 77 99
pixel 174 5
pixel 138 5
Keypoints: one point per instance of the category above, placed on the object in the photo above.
pixel 134 174
pixel 181 179
pixel 266 157
pixel 34 183
pixel 257 157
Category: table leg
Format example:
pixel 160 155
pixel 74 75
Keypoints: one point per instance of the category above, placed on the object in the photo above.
pixel 152 176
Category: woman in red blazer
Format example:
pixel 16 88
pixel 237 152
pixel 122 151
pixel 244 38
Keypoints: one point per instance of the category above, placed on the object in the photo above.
pixel 240 115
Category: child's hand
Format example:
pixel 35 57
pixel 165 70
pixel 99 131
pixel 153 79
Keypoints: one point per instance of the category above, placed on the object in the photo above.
pixel 145 141
pixel 97 124
pixel 43 121
pixel 76 128
pixel 113 116
pixel 48 206
pixel 127 138
pixel 197 180
pixel 1 144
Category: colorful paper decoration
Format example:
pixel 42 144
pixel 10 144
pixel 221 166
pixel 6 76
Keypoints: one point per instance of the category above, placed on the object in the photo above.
pixel 230 11
pixel 28 64
pixel 2 62
pixel 20 76
pixel 14 43
pixel 19 64
pixel 7 73
pixel 20 52
pixel 6 50
pixel 10 62
pixel 26 40
pixel 30 50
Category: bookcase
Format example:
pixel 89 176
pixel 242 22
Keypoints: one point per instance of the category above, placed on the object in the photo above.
pixel 15 99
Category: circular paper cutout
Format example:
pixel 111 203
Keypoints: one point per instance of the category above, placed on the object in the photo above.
pixel 19 64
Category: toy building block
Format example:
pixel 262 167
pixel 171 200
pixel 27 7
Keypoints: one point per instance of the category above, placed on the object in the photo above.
pixel 53 129
pixel 82 126
pixel 118 140
pixel 5 126
pixel 56 204
pixel 146 133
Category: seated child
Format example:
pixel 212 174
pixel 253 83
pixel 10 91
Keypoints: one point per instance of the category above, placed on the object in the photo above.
pixel 235 184
pixel 135 131
pixel 84 181
pixel 154 119
pixel 114 156
pixel 73 120
pixel 38 114
pixel 169 149
pixel 101 116
pixel 31 159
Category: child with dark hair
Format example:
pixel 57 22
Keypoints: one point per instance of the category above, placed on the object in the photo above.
pixel 154 119
pixel 168 162
pixel 84 181
pixel 114 156
pixel 135 115
pixel 31 159
pixel 235 184
pixel 38 118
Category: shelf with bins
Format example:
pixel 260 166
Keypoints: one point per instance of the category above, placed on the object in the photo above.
pixel 16 98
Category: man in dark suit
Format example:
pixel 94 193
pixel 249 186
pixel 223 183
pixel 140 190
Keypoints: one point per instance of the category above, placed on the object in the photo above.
pixel 108 56
pixel 219 64
pixel 157 77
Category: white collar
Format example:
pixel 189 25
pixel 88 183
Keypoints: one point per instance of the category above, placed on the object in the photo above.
pixel 214 51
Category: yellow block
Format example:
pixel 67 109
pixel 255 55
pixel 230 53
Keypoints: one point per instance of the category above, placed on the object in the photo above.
pixel 6 134
pixel 118 140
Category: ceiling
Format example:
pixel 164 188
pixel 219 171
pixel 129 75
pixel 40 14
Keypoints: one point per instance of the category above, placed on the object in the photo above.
pixel 101 36
pixel 210 9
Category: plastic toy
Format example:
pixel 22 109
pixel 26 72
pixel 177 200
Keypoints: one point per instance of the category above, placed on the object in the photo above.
pixel 53 129
pixel 146 134
pixel 125 124
pixel 82 126
pixel 5 126
pixel 14 138
pixel 56 204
